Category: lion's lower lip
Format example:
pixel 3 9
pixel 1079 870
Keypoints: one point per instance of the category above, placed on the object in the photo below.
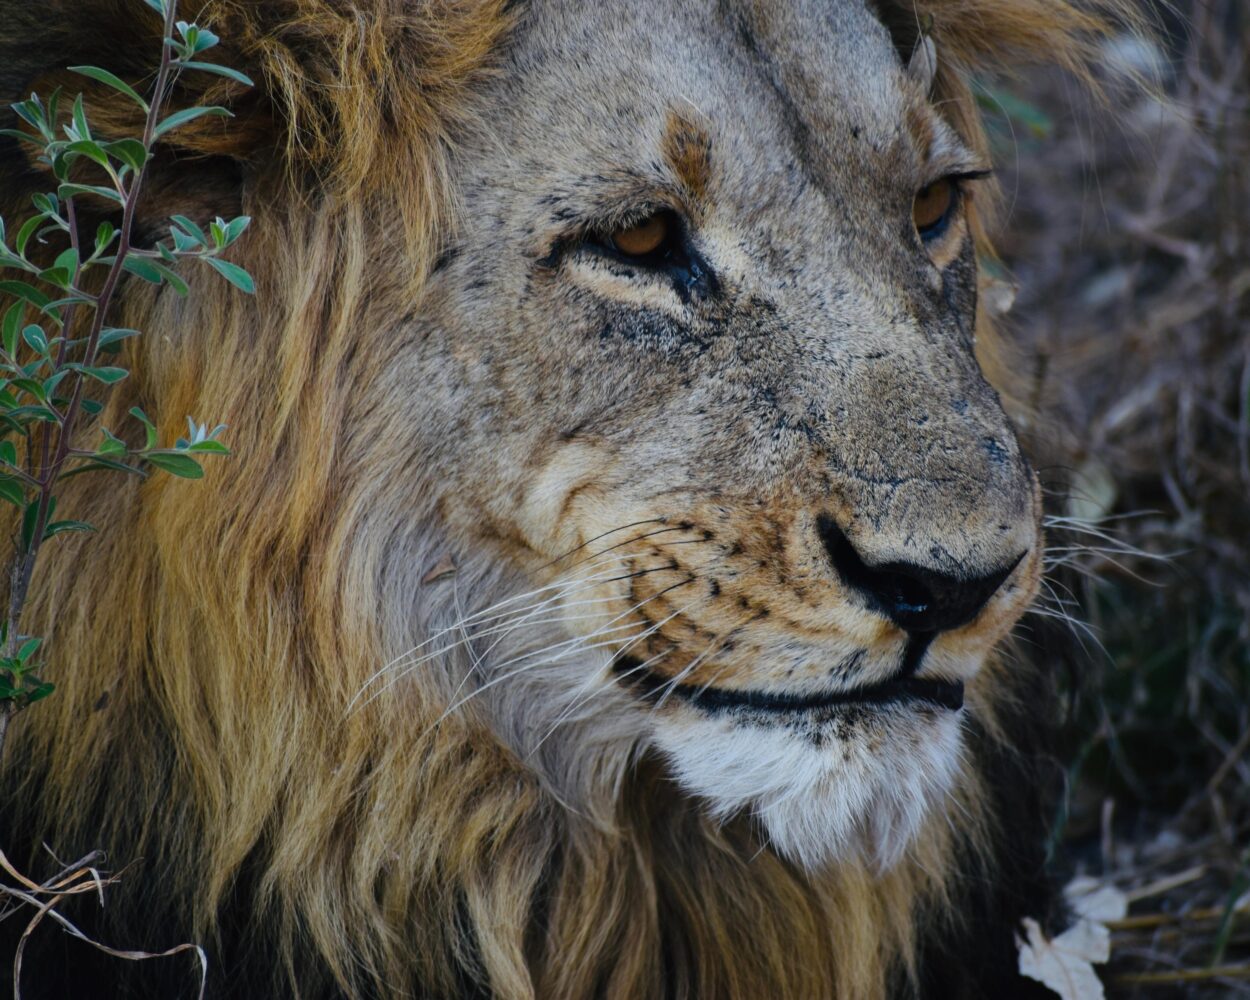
pixel 926 691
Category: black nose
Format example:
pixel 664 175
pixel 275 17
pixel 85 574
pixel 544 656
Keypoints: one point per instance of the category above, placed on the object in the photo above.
pixel 913 597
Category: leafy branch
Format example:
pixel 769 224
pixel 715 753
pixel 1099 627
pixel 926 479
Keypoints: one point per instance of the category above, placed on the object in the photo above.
pixel 53 370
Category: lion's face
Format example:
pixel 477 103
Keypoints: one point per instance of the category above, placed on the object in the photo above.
pixel 703 367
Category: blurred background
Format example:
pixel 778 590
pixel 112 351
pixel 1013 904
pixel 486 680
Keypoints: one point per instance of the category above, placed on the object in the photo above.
pixel 1126 245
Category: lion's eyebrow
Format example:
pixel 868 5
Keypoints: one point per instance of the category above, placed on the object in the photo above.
pixel 942 150
pixel 687 149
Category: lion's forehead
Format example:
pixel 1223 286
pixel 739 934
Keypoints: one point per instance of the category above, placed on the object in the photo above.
pixel 794 75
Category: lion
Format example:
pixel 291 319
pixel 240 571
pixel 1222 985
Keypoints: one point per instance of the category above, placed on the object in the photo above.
pixel 608 592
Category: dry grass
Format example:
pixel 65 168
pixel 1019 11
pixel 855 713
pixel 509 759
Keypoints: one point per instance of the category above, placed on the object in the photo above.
pixel 37 902
pixel 1129 237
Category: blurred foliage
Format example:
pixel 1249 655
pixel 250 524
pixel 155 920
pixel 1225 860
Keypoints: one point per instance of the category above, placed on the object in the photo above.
pixel 1128 233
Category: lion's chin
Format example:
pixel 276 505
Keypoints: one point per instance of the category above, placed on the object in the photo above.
pixel 853 787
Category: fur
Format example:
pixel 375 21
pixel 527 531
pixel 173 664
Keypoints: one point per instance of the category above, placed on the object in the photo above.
pixel 418 448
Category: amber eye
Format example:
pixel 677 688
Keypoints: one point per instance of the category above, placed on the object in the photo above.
pixel 932 207
pixel 644 237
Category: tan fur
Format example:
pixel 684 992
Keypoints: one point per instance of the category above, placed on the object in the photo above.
pixel 212 637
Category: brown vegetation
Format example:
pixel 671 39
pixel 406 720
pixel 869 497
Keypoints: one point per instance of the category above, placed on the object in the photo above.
pixel 1129 237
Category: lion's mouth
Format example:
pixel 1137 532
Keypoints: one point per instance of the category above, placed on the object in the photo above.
pixel 928 691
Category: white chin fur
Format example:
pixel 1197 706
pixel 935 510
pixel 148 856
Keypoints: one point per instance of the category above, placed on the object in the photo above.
pixel 862 794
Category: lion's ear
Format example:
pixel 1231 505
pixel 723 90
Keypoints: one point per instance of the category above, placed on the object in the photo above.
pixel 989 35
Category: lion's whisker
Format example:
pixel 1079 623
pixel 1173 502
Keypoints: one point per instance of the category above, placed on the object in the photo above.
pixel 562 588
pixel 592 681
pixel 576 645
pixel 713 647
pixel 401 670
pixel 526 614
pixel 590 541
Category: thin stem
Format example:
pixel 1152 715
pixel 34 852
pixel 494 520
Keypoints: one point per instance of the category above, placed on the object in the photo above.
pixel 23 566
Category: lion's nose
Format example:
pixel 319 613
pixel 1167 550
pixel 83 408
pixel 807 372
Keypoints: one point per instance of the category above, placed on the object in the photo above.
pixel 915 598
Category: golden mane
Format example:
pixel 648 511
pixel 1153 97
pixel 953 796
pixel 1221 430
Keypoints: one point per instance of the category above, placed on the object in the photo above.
pixel 213 636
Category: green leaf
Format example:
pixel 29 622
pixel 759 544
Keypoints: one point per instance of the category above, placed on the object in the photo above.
pixel 60 527
pixel 11 491
pixel 91 150
pixel 183 466
pixel 31 112
pixel 211 447
pixel 81 129
pixel 54 104
pixel 235 227
pixel 175 282
pixel 29 227
pixel 31 386
pixel 179 118
pixel 145 269
pixel 8 453
pixel 10 326
pixel 91 407
pixel 218 232
pixel 118 84
pixel 67 259
pixel 56 276
pixel 54 307
pixel 106 375
pixel 197 39
pixel 27 649
pixel 999 102
pixel 46 203
pixel 39 692
pixel 27 414
pixel 150 427
pixel 226 71
pixel 156 5
pixel 35 339
pixel 233 274
pixel 205 40
pixel 111 445
pixel 104 236
pixel 191 228
pixel 97 190
pixel 34 140
pixel 183 242
pixel 101 465
pixel 130 151
pixel 53 380
pixel 114 334
pixel 29 518
pixel 21 290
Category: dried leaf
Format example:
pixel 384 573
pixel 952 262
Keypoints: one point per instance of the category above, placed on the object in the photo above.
pixel 1066 963
pixel 1090 899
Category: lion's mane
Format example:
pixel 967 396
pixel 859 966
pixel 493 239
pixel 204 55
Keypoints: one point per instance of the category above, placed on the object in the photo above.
pixel 209 640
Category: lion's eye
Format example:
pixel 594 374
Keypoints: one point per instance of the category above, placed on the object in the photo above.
pixel 933 206
pixel 656 246
pixel 643 238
